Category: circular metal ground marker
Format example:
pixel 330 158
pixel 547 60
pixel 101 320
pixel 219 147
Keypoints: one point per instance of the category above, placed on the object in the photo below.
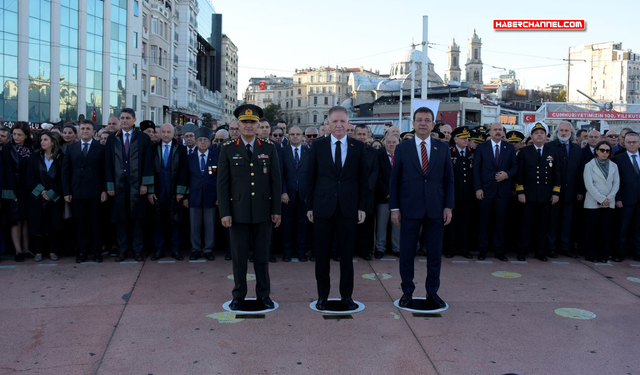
pixel 251 306
pixel 634 279
pixel 250 277
pixel 573 313
pixel 419 306
pixel 335 306
pixel 506 274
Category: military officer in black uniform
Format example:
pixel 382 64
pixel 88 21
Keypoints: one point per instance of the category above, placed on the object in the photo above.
pixel 462 160
pixel 538 188
pixel 515 138
pixel 249 200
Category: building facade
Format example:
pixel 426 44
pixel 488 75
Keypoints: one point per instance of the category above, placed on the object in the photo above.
pixel 229 78
pixel 263 91
pixel 605 72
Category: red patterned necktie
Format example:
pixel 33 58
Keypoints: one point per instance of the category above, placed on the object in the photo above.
pixel 425 158
pixel 391 156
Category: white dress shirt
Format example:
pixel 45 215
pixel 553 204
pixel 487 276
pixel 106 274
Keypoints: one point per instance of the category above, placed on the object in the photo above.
pixel 89 144
pixel 427 145
pixel 631 157
pixel 343 148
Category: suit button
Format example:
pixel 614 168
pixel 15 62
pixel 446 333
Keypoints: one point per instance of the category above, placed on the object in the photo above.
pixel 252 174
pixel 464 181
pixel 251 164
pixel 252 193
pixel 464 169
pixel 231 199
pixel 253 183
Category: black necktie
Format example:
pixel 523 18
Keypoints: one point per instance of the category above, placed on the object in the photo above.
pixel 462 153
pixel 539 154
pixel 635 165
pixel 338 157
pixel 249 152
pixel 85 148
pixel 297 158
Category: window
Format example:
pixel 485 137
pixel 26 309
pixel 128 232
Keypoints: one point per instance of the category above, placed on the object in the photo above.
pixel 455 61
pixel 299 105
pixel 324 90
pixel 153 114
pixel 154 26
pixel 135 71
pixel 152 79
pixel 326 100
pixel 135 39
pixel 315 118
pixel 134 104
pixel 136 8
pixel 315 100
pixel 475 54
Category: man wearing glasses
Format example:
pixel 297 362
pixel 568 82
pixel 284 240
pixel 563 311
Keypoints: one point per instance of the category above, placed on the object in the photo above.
pixel 221 136
pixel 277 135
pixel 234 130
pixel 311 134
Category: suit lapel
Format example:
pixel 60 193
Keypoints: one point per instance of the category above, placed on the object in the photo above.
pixel 413 151
pixel 350 150
pixel 433 157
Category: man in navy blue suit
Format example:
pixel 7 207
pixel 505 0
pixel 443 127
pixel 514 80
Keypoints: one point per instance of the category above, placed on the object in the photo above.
pixel 202 195
pixel 494 164
pixel 628 197
pixel 421 195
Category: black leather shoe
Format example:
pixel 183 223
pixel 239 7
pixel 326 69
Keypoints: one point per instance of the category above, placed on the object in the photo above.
pixel 406 300
pixel 349 303
pixel 335 258
pixel 194 255
pixel 177 255
pixel 542 258
pixel 286 259
pixel 158 255
pixel 236 304
pixel 268 303
pixel 617 259
pixel 19 257
pixel 448 255
pixel 482 256
pixel 209 256
pixel 436 301
pixel 81 258
pixel 588 259
pixel 120 258
pixel 321 304
pixel 227 256
pixel 312 256
pixel 522 258
pixel 365 256
pixel 552 255
pixel 603 260
pixel 571 254
pixel 378 254
pixel 138 258
pixel 272 259
pixel 636 258
pixel 97 258
pixel 251 258
pixel 467 255
pixel 502 257
pixel 397 254
pixel 302 258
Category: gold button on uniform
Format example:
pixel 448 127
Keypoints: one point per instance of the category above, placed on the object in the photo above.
pixel 251 173
pixel 253 183
pixel 252 193
pixel 251 164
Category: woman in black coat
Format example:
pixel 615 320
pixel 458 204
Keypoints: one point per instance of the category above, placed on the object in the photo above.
pixel 44 183
pixel 15 158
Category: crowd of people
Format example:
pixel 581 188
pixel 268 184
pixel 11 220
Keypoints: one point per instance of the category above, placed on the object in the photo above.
pixel 87 191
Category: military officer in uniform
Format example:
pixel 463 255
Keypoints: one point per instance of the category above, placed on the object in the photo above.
pixel 249 200
pixel 538 188
pixel 459 230
pixel 515 138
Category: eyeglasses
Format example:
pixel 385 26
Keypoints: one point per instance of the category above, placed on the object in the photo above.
pixel 604 150
pixel 612 136
pixel 277 135
pixel 312 136
pixel 217 140
pixel 294 134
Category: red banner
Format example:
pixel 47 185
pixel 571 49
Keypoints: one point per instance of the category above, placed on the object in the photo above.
pixel 601 115
pixel 95 115
pixel 530 117
pixel 262 85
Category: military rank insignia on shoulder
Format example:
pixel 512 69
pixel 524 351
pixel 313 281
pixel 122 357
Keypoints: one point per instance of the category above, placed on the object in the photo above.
pixel 266 140
pixel 227 143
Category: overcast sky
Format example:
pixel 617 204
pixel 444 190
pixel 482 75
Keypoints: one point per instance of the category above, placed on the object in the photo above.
pixel 276 37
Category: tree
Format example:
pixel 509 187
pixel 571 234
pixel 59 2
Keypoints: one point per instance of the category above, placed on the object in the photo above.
pixel 207 119
pixel 561 96
pixel 272 112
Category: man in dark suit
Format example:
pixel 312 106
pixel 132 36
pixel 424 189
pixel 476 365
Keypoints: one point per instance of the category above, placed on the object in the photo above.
pixel 129 173
pixel 383 214
pixel 569 155
pixel 170 185
pixel 249 199
pixel 83 186
pixel 202 194
pixel 460 228
pixel 628 197
pixel 421 193
pixel 364 232
pixel 337 197
pixel 294 192
pixel 538 188
pixel 494 164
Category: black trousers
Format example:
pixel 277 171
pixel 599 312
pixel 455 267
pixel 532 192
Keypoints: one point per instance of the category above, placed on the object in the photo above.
pixel 432 234
pixel 629 230
pixel 598 230
pixel 458 231
pixel 325 229
pixel 560 225
pixel 130 231
pixel 534 218
pixel 87 215
pixel 491 222
pixel 46 243
pixel 245 237
pixel 294 220
pixel 364 235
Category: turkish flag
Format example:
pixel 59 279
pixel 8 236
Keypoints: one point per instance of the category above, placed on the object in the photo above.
pixel 95 115
pixel 530 117
pixel 262 85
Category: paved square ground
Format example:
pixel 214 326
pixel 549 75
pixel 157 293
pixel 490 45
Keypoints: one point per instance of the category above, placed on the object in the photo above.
pixel 167 318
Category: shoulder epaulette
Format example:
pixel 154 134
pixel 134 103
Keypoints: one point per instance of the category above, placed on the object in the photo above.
pixel 266 140
pixel 227 143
